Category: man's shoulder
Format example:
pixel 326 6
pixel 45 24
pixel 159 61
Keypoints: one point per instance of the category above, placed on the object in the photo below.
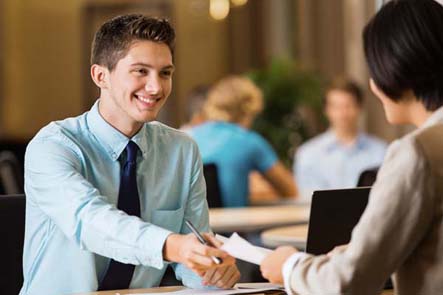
pixel 374 141
pixel 316 143
pixel 165 134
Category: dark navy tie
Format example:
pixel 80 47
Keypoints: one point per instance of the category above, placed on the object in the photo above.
pixel 119 275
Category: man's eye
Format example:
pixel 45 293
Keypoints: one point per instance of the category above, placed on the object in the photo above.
pixel 142 71
pixel 166 73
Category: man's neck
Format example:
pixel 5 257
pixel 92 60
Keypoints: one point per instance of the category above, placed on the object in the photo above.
pixel 346 137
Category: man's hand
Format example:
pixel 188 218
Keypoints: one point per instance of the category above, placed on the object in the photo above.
pixel 187 250
pixel 271 267
pixel 224 276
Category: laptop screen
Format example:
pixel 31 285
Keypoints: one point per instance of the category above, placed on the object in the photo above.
pixel 334 213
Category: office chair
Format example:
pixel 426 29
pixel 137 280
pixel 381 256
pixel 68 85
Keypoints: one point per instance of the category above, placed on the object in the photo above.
pixel 11 174
pixel 368 177
pixel 212 186
pixel 12 231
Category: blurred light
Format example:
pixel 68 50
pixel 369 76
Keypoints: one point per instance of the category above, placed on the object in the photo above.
pixel 239 2
pixel 219 9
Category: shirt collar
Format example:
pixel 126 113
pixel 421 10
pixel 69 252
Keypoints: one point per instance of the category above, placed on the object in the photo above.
pixel 113 140
pixel 436 117
pixel 333 143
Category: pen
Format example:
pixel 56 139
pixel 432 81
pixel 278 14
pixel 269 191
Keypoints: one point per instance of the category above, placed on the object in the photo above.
pixel 216 260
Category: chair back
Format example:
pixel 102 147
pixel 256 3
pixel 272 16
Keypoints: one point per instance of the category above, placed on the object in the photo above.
pixel 11 174
pixel 368 177
pixel 213 191
pixel 12 231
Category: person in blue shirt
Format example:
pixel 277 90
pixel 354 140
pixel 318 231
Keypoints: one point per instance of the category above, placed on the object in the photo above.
pixel 225 140
pixel 77 179
pixel 337 157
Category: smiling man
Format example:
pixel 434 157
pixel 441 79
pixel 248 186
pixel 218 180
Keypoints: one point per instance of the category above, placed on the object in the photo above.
pixel 108 191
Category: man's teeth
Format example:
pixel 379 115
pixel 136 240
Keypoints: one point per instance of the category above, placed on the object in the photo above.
pixel 147 100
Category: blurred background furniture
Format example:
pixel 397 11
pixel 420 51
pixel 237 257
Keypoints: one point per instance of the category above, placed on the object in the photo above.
pixel 213 194
pixel 368 177
pixel 12 230
pixel 294 235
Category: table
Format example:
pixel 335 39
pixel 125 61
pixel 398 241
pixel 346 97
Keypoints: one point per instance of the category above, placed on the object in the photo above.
pixel 250 219
pixel 167 289
pixel 295 235
pixel 134 291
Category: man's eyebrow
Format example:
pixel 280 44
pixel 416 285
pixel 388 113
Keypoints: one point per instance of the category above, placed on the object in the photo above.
pixel 168 67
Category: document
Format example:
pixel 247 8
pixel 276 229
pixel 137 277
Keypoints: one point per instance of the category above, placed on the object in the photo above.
pixel 211 292
pixel 240 248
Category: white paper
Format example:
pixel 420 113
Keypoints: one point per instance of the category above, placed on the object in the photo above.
pixel 210 292
pixel 240 248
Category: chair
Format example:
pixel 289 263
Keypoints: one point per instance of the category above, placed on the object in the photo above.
pixel 368 177
pixel 12 230
pixel 11 174
pixel 212 186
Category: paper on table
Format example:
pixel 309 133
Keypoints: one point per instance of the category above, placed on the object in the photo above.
pixel 240 248
pixel 210 292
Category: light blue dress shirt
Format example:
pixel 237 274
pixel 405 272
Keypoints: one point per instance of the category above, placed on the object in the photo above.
pixel 324 163
pixel 72 175
pixel 236 152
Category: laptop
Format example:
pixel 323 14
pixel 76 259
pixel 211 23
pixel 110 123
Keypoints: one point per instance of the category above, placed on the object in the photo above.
pixel 334 214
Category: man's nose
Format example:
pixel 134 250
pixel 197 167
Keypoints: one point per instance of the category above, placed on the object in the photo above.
pixel 153 85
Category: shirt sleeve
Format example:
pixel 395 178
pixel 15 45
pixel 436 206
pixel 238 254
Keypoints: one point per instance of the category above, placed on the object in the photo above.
pixel 264 155
pixel 399 211
pixel 308 178
pixel 197 212
pixel 55 183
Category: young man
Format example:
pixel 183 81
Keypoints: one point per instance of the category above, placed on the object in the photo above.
pixel 108 191
pixel 336 158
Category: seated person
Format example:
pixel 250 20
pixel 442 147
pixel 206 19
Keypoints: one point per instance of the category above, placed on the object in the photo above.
pixel 194 102
pixel 225 140
pixel 336 158
pixel 400 232
pixel 105 201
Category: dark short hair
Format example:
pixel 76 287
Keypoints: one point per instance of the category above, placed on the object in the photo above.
pixel 345 85
pixel 113 39
pixel 403 45
pixel 195 100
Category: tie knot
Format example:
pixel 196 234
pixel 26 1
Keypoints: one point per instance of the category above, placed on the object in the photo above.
pixel 131 152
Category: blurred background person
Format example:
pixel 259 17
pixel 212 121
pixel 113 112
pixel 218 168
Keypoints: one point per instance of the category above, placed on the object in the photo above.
pixel 225 140
pixel 194 102
pixel 337 157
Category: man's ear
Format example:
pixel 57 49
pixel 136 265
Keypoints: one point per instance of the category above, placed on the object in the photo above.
pixel 99 75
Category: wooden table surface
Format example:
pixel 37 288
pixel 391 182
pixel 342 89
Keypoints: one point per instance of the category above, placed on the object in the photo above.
pixel 294 235
pixel 166 289
pixel 250 219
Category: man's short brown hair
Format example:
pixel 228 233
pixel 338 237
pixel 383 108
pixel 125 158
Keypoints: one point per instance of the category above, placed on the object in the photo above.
pixel 113 39
pixel 345 85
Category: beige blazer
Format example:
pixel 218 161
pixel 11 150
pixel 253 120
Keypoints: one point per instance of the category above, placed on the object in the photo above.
pixel 400 232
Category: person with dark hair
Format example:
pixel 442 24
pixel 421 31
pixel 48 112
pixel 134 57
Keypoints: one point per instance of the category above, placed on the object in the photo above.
pixel 107 192
pixel 337 157
pixel 195 100
pixel 400 232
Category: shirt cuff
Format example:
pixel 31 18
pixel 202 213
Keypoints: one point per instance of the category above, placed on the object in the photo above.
pixel 287 270
pixel 154 255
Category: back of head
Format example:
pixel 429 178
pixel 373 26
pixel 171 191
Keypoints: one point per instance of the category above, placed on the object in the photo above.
pixel 233 99
pixel 403 46
pixel 114 38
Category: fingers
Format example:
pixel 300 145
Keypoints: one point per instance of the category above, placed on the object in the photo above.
pixel 212 240
pixel 222 277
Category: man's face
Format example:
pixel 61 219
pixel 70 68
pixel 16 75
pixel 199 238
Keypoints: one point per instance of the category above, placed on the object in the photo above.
pixel 138 86
pixel 342 110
